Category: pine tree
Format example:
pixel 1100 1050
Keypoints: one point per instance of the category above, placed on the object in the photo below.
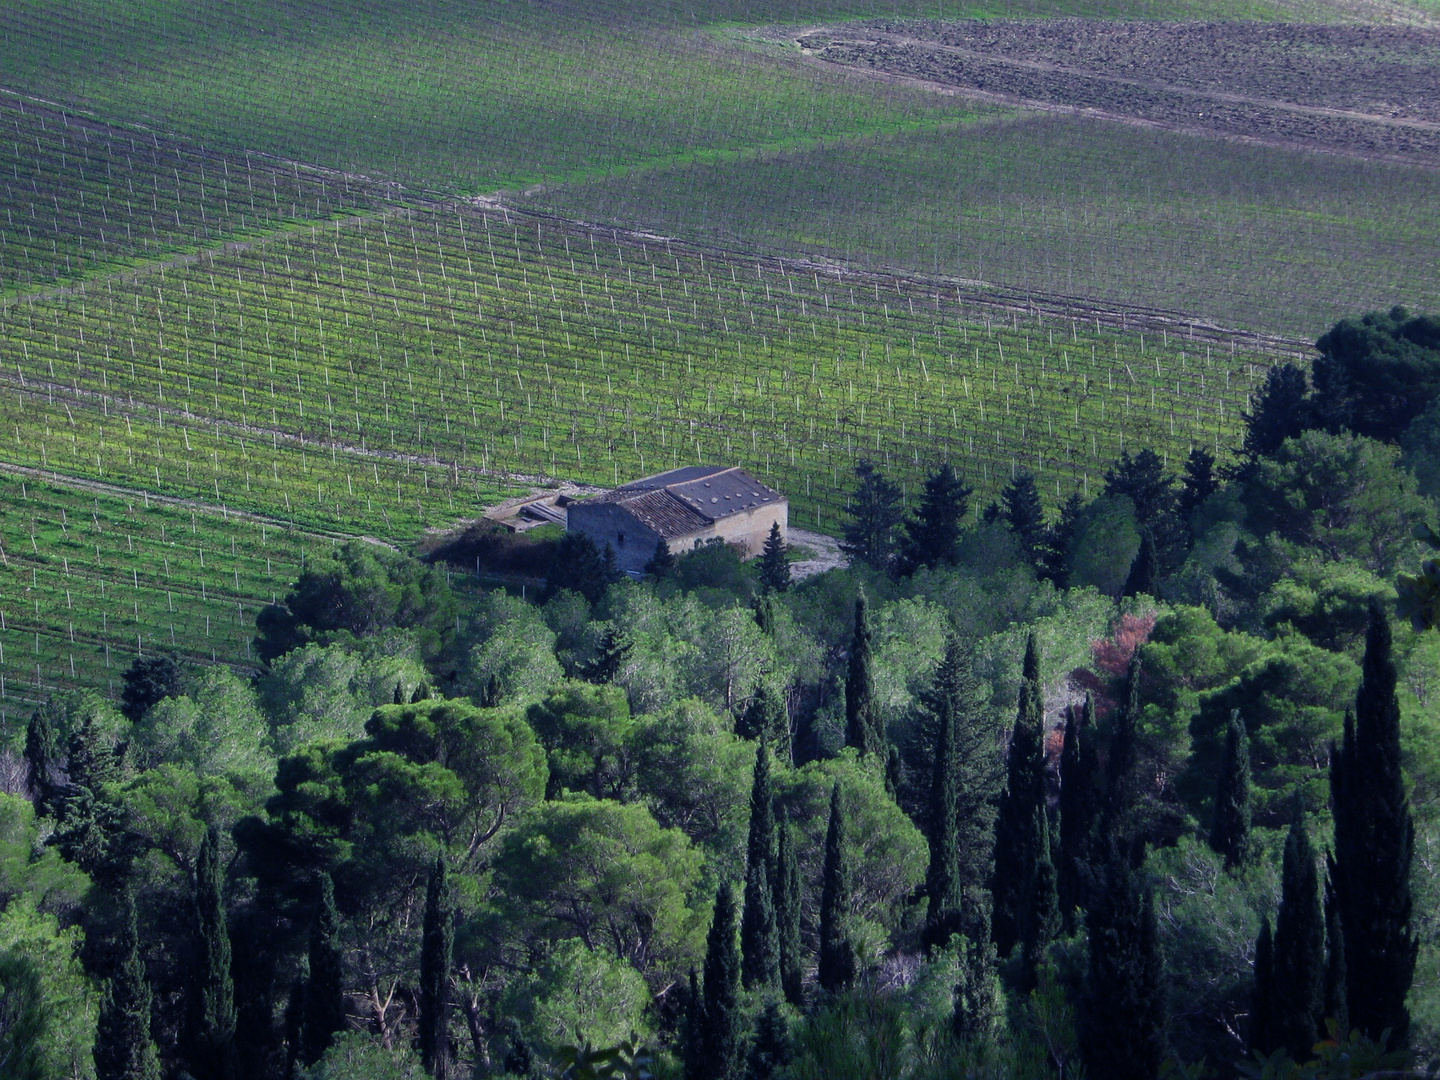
pixel 720 1016
pixel 1334 959
pixel 837 951
pixel 765 716
pixel 1230 831
pixel 943 886
pixel 874 517
pixel 1024 792
pixel 90 828
pixel 774 561
pixel 1122 1030
pixel 1198 484
pixel 787 918
pixel 437 947
pixel 147 681
pixel 1118 824
pixel 1079 806
pixel 661 563
pixel 323 1009
pixel 1040 918
pixel 1374 845
pixel 610 655
pixel 42 761
pixel 759 942
pixel 932 534
pixel 123 1047
pixel 1298 964
pixel 212 986
pixel 1144 576
pixel 1025 514
pixel 1261 1037
pixel 863 728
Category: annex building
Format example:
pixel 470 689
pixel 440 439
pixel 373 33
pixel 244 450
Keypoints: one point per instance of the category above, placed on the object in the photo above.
pixel 684 507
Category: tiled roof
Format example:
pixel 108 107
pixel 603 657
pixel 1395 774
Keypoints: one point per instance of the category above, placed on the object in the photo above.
pixel 683 501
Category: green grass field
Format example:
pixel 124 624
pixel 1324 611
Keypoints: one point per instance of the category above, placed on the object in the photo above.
pixel 1242 235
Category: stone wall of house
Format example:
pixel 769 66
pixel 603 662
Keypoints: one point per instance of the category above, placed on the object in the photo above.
pixel 750 527
pixel 633 542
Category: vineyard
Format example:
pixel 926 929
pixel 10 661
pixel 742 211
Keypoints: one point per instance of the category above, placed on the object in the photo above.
pixel 384 375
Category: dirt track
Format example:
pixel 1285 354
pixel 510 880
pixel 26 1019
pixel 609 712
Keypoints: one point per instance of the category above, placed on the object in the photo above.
pixel 1366 91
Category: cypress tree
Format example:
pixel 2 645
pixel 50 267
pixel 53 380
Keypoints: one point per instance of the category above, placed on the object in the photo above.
pixel 1040 919
pixel 1122 1031
pixel 764 608
pixel 1144 576
pixel 42 754
pixel 787 919
pixel 1117 820
pixel 1079 805
pixel 694 1048
pixel 837 951
pixel 437 947
pixel 774 561
pixel 1230 830
pixel 977 1006
pixel 943 886
pixel 720 1015
pixel 1024 792
pixel 1374 845
pixel 1334 960
pixel 323 1008
pixel 1261 1036
pixel 123 1048
pixel 771 1049
pixel 1298 959
pixel 863 729
pixel 212 985
pixel 759 944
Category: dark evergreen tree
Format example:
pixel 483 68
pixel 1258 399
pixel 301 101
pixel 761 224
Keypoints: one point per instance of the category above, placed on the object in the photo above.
pixel 580 566
pixel 422 692
pixel 765 614
pixel 1374 845
pixel 1282 411
pixel 787 918
pixel 1230 830
pixel 894 772
pixel 1118 820
pixel 42 762
pixel 1040 918
pixel 771 1049
pixel 519 1057
pixel 610 655
pixel 1143 480
pixel 1144 576
pixel 775 562
pixel 211 984
pixel 977 1005
pixel 694 1042
pixel 1055 566
pixel 1335 1008
pixel 720 1043
pixel 1025 514
pixel 399 698
pixel 437 947
pixel 874 518
pixel 123 1047
pixel 1298 959
pixel 1261 1037
pixel 1377 373
pixel 943 885
pixel 661 563
pixel 759 941
pixel 323 1009
pixel 932 533
pixel 837 950
pixel 1198 483
pixel 863 727
pixel 147 681
pixel 1079 807
pixel 765 716
pixel 1024 793
pixel 90 828
pixel 1122 1014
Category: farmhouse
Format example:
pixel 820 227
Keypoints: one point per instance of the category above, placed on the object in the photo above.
pixel 684 507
